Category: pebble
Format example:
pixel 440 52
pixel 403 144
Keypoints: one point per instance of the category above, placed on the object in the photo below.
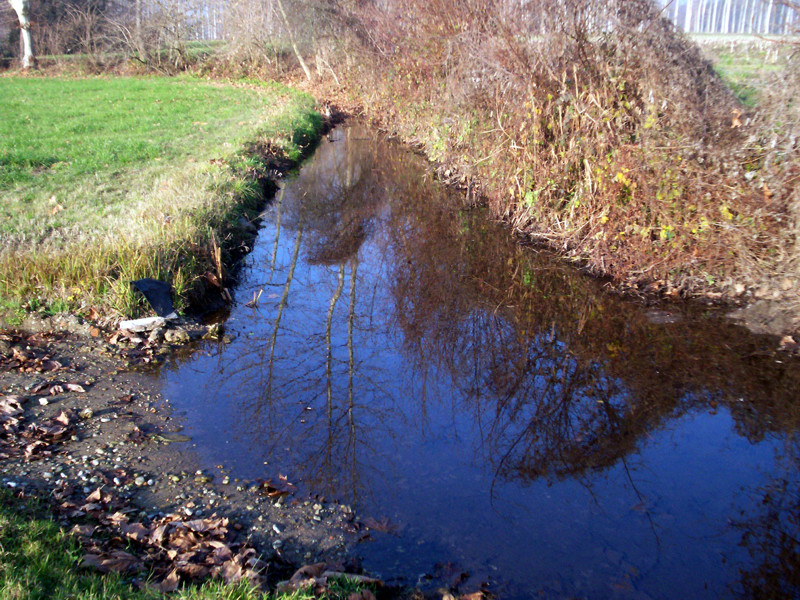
pixel 276 529
pixel 139 480
pixel 86 413
pixel 44 401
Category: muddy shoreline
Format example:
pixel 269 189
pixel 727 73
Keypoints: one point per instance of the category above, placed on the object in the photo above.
pixel 127 441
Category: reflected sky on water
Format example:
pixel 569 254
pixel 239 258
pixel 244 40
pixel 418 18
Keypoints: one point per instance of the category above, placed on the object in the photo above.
pixel 502 410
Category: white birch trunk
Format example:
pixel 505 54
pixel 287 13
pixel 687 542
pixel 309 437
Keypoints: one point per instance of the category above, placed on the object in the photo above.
pixel 767 17
pixel 687 22
pixel 726 16
pixel 714 13
pixel 22 8
pixel 743 20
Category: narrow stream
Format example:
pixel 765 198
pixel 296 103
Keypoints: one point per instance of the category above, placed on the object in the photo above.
pixel 503 415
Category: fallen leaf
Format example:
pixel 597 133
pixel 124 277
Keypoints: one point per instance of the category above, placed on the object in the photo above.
pixel 169 583
pixel 136 531
pixel 11 406
pixel 83 530
pixel 307 572
pixel 51 365
pixel 194 571
pixel 64 418
pixel 383 524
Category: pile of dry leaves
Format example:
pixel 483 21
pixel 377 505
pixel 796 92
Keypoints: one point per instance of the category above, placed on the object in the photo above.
pixel 33 440
pixel 169 549
pixel 26 353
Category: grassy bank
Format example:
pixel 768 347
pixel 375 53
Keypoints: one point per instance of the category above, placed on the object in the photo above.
pixel 105 180
pixel 39 560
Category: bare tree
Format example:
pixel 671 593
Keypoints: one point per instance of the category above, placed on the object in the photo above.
pixel 22 8
pixel 290 33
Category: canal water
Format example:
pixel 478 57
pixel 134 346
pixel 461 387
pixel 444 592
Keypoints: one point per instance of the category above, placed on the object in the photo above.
pixel 507 419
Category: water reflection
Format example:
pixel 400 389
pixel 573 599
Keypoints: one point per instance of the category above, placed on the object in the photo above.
pixel 409 357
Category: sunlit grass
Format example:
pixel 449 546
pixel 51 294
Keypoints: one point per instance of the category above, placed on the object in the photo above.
pixel 107 179
pixel 745 63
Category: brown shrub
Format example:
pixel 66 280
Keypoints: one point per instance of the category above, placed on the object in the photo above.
pixel 593 126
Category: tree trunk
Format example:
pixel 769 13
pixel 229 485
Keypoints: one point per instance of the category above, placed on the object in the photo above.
pixel 767 19
pixel 289 31
pixel 726 17
pixel 714 14
pixel 22 8
pixel 687 23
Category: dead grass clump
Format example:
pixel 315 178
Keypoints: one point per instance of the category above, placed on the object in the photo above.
pixel 170 234
pixel 593 126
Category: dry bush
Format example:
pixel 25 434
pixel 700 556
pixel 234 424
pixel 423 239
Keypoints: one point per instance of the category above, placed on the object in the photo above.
pixel 594 126
pixel 774 144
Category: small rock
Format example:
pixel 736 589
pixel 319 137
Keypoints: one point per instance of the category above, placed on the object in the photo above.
pixel 44 401
pixel 86 413
pixel 140 481
pixel 176 336
pixel 156 336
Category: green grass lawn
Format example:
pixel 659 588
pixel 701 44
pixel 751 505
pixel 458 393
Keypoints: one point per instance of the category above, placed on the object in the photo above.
pixel 745 63
pixel 96 172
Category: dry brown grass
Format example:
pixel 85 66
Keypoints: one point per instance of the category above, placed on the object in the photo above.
pixel 594 127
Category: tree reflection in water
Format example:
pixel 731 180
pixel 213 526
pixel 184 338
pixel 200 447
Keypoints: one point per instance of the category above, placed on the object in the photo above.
pixel 393 302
